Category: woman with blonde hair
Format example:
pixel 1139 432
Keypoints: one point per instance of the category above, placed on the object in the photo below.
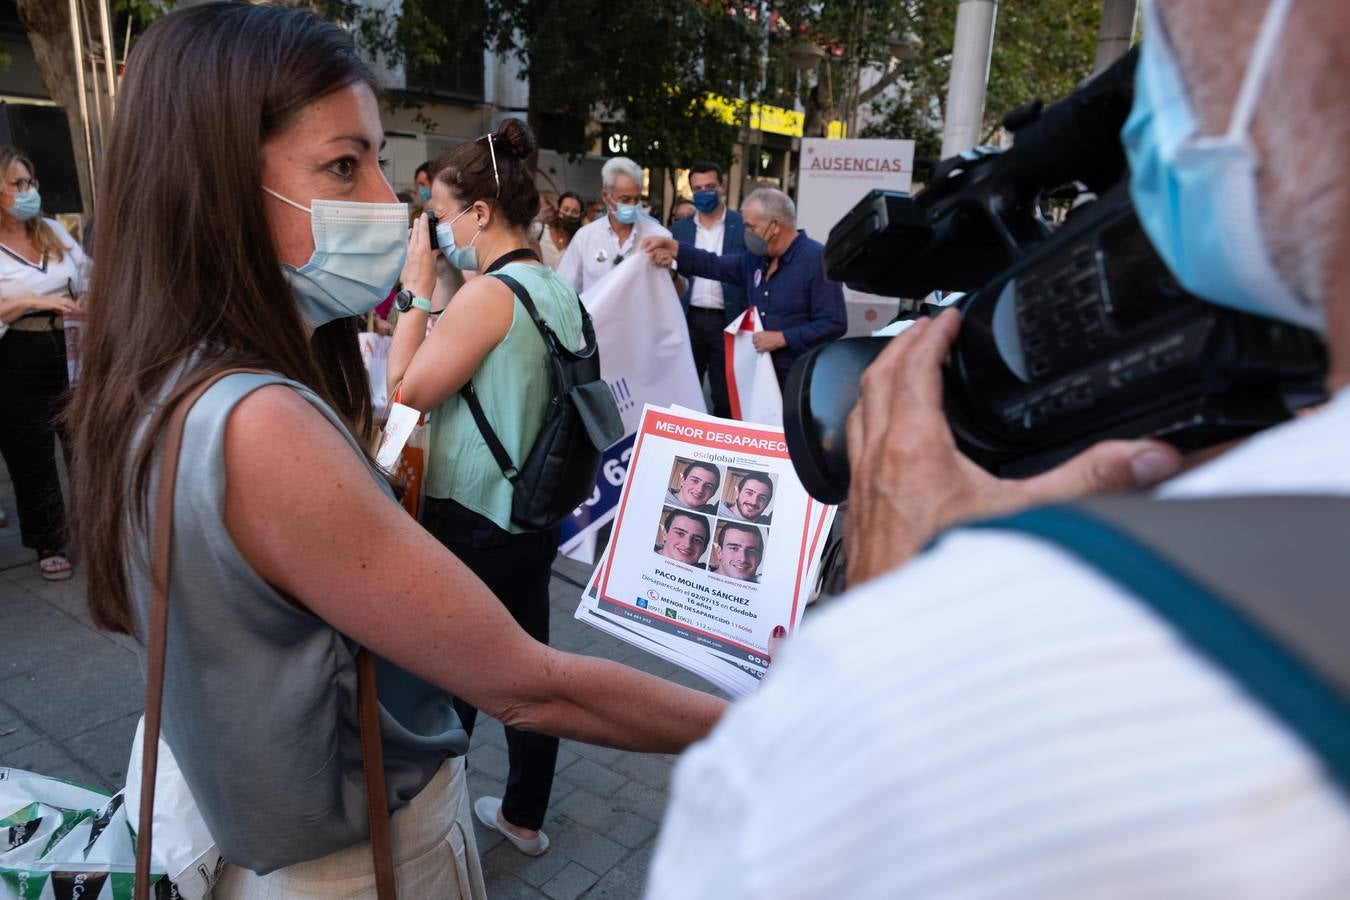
pixel 42 273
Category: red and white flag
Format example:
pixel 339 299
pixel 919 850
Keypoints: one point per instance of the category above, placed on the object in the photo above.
pixel 752 384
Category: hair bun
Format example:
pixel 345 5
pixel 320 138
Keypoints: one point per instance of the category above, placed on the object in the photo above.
pixel 516 139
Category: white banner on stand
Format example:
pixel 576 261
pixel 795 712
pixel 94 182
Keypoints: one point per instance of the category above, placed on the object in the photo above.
pixel 833 177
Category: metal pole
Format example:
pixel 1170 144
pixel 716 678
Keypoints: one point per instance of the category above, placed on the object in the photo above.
pixel 78 46
pixel 971 52
pixel 108 53
pixel 1116 32
pixel 95 84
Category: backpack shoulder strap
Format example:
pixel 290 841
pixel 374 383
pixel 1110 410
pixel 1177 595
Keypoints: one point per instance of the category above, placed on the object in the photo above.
pixel 470 395
pixel 1257 584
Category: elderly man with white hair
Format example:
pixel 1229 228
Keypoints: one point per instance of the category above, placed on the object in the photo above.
pixel 782 273
pixel 1010 713
pixel 599 247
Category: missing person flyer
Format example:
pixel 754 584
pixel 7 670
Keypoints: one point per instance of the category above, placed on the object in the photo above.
pixel 714 537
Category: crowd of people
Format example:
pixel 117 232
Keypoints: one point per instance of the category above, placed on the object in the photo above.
pixel 984 714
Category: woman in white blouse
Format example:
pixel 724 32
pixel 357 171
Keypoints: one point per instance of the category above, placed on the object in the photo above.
pixel 42 272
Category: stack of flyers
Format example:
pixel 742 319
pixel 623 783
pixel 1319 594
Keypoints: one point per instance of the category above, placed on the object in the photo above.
pixel 716 543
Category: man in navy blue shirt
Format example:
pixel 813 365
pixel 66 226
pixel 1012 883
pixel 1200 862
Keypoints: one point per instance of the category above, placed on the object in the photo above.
pixel 709 305
pixel 781 272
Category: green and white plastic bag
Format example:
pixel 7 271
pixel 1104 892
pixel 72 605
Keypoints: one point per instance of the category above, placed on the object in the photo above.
pixel 59 841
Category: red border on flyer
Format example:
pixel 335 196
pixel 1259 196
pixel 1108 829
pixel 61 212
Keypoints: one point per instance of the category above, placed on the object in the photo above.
pixel 651 420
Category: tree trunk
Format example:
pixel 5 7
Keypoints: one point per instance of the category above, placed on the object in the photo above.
pixel 48 25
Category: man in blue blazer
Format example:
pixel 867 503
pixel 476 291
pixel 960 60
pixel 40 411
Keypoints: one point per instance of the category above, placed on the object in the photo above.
pixel 710 305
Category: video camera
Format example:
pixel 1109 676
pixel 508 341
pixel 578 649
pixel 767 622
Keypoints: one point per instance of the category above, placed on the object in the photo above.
pixel 1068 336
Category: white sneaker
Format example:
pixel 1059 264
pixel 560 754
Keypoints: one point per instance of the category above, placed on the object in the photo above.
pixel 489 812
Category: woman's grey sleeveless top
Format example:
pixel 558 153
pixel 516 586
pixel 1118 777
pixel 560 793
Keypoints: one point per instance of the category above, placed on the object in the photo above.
pixel 260 695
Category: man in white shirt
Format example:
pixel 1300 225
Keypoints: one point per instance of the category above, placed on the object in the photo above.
pixel 709 304
pixel 995 717
pixel 599 247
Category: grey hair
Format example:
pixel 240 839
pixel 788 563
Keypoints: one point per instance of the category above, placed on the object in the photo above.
pixel 775 203
pixel 620 165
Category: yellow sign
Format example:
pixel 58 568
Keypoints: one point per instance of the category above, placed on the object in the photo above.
pixel 771 119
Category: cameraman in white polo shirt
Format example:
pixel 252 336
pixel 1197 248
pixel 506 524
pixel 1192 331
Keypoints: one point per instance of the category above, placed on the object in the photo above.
pixel 994 717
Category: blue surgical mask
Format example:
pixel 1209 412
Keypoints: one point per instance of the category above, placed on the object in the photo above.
pixel 706 201
pixel 27 204
pixel 463 258
pixel 359 250
pixel 626 213
pixel 1196 195
pixel 425 194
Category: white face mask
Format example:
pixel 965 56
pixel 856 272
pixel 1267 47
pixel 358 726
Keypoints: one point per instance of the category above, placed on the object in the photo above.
pixel 359 251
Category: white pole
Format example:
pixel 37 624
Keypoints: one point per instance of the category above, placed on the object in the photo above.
pixel 1116 32
pixel 77 47
pixel 109 55
pixel 971 51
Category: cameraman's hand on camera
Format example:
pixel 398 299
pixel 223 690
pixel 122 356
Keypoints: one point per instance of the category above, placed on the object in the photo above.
pixel 661 250
pixel 909 480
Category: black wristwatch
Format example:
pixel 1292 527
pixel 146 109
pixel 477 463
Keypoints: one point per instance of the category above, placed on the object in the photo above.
pixel 405 300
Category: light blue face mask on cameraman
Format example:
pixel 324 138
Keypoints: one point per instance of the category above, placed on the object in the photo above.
pixel 1196 195
pixel 359 251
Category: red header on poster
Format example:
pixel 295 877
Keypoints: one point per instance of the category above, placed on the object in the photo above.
pixel 721 437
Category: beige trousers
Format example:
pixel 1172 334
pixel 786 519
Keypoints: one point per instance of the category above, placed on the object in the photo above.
pixel 433 846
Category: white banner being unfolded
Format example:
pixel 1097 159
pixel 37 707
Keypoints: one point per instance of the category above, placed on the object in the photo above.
pixel 645 357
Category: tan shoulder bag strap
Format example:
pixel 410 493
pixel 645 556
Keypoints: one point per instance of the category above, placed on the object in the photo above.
pixel 372 755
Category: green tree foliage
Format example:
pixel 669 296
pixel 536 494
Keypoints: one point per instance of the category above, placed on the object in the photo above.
pixel 1042 50
pixel 650 63
pixel 647 63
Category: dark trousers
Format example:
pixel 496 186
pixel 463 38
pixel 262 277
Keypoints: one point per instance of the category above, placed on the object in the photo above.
pixel 515 567
pixel 705 337
pixel 32 392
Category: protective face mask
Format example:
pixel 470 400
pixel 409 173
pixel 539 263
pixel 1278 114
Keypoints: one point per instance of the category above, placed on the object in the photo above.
pixel 425 194
pixel 359 250
pixel 706 201
pixel 1196 195
pixel 756 244
pixel 626 213
pixel 26 205
pixel 462 258
pixel 569 224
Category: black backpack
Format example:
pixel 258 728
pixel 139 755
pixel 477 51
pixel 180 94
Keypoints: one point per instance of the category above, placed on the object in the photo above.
pixel 580 423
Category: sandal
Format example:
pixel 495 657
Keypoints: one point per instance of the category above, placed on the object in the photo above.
pixel 54 566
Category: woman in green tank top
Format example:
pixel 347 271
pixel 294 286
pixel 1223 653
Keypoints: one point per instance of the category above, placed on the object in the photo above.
pixel 483 198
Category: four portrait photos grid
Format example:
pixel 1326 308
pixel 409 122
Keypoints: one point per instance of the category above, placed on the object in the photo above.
pixel 716 517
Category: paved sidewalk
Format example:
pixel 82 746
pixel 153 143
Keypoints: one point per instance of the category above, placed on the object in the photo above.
pixel 70 697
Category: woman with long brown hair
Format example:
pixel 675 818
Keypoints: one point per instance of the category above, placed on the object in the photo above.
pixel 289 550
pixel 42 272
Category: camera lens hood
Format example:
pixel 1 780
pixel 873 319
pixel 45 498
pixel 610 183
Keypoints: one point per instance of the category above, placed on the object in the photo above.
pixel 821 390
